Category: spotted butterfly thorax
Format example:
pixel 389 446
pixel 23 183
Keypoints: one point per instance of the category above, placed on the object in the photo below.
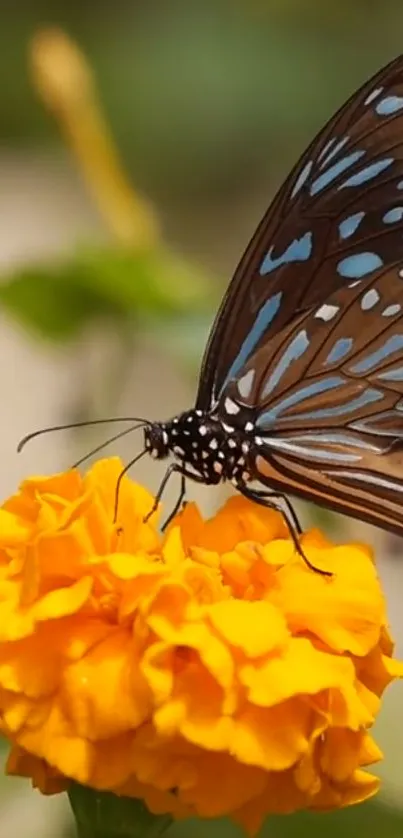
pixel 301 385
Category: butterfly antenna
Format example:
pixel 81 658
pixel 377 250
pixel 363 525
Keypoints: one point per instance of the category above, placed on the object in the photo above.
pixel 108 442
pixel 71 425
pixel 120 478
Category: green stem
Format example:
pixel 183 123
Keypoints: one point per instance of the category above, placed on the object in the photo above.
pixel 105 815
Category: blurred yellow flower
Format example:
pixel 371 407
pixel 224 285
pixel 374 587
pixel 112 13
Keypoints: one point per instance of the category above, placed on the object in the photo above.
pixel 207 671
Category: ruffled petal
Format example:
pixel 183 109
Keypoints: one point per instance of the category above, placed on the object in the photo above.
pixel 208 670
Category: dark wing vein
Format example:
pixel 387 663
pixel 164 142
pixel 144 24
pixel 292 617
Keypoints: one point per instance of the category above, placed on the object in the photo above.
pixel 317 213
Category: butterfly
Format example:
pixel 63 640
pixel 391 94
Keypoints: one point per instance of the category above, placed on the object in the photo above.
pixel 301 384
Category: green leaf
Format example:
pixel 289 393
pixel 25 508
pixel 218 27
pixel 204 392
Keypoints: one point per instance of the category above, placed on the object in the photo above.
pixel 57 301
pixel 151 282
pixel 105 815
pixel 48 304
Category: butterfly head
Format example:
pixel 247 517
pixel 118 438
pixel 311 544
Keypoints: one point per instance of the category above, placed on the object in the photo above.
pixel 157 440
pixel 177 436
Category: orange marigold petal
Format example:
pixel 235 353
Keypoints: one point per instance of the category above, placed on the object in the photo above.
pixel 255 628
pixel 273 738
pixel 46 779
pixel 63 602
pixel 208 671
pixel 13 531
pixel 300 669
pixel 112 669
pixel 344 611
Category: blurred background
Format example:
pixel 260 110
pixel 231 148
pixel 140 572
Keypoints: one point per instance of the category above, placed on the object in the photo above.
pixel 140 142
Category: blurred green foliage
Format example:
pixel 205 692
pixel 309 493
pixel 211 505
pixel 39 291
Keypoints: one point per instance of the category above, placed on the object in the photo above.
pixel 137 289
pixel 102 814
pixel 222 81
pixel 372 820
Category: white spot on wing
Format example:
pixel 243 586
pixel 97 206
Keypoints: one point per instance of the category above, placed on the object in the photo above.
pixel 389 311
pixel 326 312
pixel 374 93
pixel 370 299
pixel 231 407
pixel 217 467
pixel 245 383
pixel 302 178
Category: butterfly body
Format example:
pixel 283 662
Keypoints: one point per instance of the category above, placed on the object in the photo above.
pixel 209 449
pixel 215 447
pixel 301 385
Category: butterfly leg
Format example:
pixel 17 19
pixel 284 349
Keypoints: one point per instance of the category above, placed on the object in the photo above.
pixel 172 469
pixel 181 501
pixel 279 502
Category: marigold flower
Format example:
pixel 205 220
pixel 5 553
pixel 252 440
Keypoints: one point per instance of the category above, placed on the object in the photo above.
pixel 207 671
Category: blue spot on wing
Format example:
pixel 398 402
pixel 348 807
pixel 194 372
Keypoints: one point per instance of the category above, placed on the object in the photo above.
pixel 393 215
pixel 359 265
pixel 266 314
pixel 391 345
pixel 340 438
pixel 392 375
pixel 337 169
pixel 293 445
pixel 363 400
pixel 295 350
pixel 298 251
pixel 389 105
pixel 368 173
pixel 322 386
pixel 350 224
pixel 341 348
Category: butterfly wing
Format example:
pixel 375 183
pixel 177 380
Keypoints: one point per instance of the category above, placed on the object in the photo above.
pixel 329 222
pixel 329 392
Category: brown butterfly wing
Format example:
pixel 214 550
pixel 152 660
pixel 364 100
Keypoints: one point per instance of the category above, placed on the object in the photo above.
pixel 330 393
pixel 295 259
